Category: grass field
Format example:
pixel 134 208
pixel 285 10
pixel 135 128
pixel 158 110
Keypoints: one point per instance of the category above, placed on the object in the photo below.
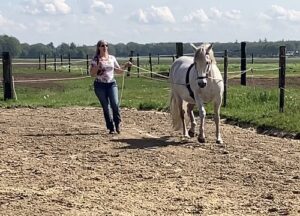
pixel 255 105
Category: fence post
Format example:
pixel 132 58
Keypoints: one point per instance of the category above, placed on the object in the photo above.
pixel 45 60
pixel 87 65
pixel 7 76
pixel 158 58
pixel 130 59
pixel 61 60
pixel 39 61
pixel 225 77
pixel 150 62
pixel 69 56
pixel 243 63
pixel 54 62
pixel 179 49
pixel 282 66
pixel 138 64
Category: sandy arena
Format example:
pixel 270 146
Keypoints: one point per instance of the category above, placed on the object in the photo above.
pixel 63 162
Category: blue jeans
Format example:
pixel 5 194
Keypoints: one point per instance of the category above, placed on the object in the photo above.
pixel 107 94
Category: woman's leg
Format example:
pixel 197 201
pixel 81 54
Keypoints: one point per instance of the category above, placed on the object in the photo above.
pixel 114 103
pixel 102 94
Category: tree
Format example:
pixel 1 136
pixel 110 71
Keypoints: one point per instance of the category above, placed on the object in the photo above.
pixel 11 45
pixel 39 49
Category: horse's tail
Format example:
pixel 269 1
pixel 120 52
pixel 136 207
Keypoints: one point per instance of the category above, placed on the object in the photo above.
pixel 175 108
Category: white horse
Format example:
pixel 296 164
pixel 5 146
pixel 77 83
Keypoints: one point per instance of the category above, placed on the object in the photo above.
pixel 196 80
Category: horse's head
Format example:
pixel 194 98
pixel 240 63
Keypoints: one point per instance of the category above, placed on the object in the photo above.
pixel 203 59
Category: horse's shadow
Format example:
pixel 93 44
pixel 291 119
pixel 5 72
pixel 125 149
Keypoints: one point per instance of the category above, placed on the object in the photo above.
pixel 149 143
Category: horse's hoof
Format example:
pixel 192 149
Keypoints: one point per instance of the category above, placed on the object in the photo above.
pixel 201 140
pixel 191 133
pixel 219 141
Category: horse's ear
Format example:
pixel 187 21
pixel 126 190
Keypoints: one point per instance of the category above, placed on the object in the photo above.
pixel 193 46
pixel 209 48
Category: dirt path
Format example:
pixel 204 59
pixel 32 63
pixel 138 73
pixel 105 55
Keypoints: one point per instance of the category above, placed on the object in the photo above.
pixel 63 162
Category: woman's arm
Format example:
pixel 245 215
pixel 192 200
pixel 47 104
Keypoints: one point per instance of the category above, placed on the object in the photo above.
pixel 94 69
pixel 123 67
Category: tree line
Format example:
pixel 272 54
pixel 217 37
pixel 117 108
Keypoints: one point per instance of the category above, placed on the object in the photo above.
pixel 262 48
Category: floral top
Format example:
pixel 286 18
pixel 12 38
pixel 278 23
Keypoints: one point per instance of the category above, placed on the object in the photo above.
pixel 106 68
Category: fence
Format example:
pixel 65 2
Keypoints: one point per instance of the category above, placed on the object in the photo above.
pixel 243 68
pixel 8 78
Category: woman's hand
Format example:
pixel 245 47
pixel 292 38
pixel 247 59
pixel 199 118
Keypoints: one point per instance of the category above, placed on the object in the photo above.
pixel 128 64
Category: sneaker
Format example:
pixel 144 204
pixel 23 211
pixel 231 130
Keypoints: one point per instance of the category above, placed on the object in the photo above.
pixel 111 131
pixel 118 130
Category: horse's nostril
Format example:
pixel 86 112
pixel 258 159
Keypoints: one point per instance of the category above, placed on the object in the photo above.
pixel 201 84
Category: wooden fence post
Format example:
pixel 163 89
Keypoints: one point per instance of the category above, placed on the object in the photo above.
pixel 87 65
pixel 158 58
pixel 179 49
pixel 225 77
pixel 282 66
pixel 69 56
pixel 39 61
pixel 138 64
pixel 150 63
pixel 54 62
pixel 45 61
pixel 243 63
pixel 7 76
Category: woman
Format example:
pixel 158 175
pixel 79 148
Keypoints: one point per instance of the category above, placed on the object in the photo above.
pixel 103 66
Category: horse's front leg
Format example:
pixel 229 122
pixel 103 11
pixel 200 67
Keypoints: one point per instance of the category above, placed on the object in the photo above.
pixel 217 107
pixel 190 112
pixel 202 114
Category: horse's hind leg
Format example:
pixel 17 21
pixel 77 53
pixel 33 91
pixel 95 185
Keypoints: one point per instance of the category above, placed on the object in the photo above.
pixel 185 133
pixel 190 112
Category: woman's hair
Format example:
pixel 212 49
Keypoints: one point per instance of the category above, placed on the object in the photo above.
pixel 99 43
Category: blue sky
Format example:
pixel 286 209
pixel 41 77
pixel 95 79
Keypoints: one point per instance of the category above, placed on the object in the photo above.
pixel 149 21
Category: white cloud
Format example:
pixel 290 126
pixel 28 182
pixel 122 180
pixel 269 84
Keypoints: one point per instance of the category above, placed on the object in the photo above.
pixel 197 16
pixel 264 16
pixel 216 13
pixel 281 13
pixel 46 6
pixel 6 23
pixel 212 15
pixel 233 14
pixel 153 15
pixel 101 6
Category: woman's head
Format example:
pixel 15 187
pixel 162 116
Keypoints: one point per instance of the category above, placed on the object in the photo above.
pixel 102 47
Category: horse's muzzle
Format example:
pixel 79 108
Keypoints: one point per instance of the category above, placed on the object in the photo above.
pixel 202 83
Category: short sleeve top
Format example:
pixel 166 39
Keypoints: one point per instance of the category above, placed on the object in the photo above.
pixel 106 68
